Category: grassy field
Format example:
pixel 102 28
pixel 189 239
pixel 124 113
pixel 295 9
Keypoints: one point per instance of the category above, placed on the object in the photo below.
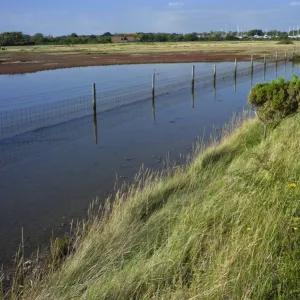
pixel 248 47
pixel 225 227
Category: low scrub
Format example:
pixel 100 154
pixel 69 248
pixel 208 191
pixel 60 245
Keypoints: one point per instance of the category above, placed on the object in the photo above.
pixel 285 42
pixel 276 100
pixel 296 58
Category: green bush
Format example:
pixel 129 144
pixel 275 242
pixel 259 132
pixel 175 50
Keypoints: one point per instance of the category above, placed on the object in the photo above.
pixel 285 42
pixel 276 100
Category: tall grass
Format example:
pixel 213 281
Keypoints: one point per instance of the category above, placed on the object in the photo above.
pixel 225 227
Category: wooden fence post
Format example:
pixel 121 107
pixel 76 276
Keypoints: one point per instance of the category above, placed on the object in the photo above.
pixel 153 84
pixel 95 113
pixel 235 68
pixel 153 96
pixel 215 73
pixel 193 77
pixel 94 99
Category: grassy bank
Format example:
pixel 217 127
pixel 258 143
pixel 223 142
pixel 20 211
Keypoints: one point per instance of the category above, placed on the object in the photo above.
pixel 225 227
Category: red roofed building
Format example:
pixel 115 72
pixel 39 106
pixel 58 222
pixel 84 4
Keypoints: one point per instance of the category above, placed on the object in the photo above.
pixel 125 38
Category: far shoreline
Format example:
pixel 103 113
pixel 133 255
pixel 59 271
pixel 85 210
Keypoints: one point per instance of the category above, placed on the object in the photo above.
pixel 19 63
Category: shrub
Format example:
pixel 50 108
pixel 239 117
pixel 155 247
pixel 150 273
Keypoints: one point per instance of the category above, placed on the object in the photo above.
pixel 285 42
pixel 276 100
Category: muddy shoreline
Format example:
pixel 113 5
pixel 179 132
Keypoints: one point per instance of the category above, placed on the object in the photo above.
pixel 20 63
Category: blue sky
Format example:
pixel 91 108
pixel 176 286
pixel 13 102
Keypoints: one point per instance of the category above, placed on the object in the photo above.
pixel 59 17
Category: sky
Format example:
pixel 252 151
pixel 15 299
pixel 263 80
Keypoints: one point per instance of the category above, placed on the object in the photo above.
pixel 61 17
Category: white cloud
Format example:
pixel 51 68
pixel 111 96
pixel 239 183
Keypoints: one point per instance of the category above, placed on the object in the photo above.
pixel 294 3
pixel 176 4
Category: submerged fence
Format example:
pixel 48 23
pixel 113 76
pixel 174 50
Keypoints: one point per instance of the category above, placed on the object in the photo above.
pixel 39 111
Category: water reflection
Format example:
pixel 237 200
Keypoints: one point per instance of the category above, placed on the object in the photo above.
pixel 193 97
pixel 153 107
pixel 95 128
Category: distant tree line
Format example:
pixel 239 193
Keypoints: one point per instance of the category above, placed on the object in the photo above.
pixel 19 39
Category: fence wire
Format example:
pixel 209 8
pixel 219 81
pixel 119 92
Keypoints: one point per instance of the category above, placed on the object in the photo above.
pixel 32 123
pixel 33 112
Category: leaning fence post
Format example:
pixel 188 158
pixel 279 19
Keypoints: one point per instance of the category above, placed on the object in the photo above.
pixel 94 98
pixel 193 77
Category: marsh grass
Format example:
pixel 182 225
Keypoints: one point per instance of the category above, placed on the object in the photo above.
pixel 224 226
pixel 224 47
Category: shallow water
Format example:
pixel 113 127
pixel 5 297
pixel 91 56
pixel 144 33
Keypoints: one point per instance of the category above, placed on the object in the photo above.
pixel 50 175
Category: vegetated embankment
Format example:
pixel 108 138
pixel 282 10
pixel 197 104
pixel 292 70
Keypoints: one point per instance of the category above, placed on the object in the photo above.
pixel 226 227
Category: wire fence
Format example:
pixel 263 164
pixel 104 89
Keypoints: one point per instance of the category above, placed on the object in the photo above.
pixel 33 123
pixel 33 112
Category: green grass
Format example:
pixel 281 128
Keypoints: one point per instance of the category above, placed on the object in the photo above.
pixel 223 47
pixel 227 226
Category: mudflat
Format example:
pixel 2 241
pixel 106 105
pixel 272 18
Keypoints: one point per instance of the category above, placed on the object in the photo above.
pixel 28 59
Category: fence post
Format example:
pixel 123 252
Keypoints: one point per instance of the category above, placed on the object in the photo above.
pixel 193 77
pixel 153 96
pixel 285 55
pixel 95 113
pixel 94 99
pixel 153 84
pixel 265 60
pixel 215 73
pixel 235 67
pixel 252 62
pixel 276 55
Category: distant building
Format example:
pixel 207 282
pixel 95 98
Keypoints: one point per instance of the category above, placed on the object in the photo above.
pixel 117 39
pixel 125 38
